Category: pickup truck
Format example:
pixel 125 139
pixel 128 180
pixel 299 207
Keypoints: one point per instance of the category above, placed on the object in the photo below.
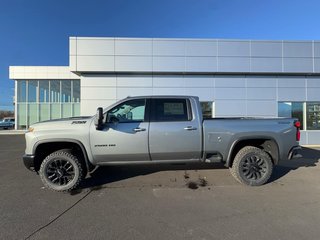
pixel 7 123
pixel 158 129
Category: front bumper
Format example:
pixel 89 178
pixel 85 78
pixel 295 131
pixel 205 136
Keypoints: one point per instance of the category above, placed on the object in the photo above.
pixel 295 152
pixel 28 161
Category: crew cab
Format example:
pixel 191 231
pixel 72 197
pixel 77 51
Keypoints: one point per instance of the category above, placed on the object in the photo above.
pixel 158 129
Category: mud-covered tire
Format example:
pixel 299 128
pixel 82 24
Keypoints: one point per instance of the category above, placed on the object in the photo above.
pixel 252 166
pixel 62 171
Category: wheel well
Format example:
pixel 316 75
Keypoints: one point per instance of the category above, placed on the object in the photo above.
pixel 45 149
pixel 268 145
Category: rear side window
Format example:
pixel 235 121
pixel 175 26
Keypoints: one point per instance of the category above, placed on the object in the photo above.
pixel 168 110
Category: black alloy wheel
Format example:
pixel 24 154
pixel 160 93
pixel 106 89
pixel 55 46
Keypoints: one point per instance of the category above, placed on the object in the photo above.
pixel 62 171
pixel 252 166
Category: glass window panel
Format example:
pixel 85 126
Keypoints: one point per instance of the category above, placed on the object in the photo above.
pixel 76 109
pixel 33 113
pixel 76 91
pixel 44 91
pixel 21 108
pixel 66 91
pixel 170 110
pixel 44 109
pixel 313 116
pixel 206 109
pixel 291 110
pixel 285 109
pixel 55 111
pixel 55 91
pixel 21 91
pixel 32 91
pixel 129 111
pixel 66 110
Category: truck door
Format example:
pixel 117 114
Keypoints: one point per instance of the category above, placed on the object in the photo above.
pixel 124 136
pixel 174 133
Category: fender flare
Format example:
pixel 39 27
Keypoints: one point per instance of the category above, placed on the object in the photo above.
pixel 235 142
pixel 89 165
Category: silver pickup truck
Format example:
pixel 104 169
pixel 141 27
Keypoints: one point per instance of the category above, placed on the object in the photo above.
pixel 157 129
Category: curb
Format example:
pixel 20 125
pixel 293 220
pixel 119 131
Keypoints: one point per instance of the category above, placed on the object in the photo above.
pixel 12 132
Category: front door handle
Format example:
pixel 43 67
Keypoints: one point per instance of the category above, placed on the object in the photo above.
pixel 139 129
pixel 190 128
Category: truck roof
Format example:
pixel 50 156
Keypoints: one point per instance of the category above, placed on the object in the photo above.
pixel 163 96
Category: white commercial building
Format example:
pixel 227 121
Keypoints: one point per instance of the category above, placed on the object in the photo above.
pixel 231 77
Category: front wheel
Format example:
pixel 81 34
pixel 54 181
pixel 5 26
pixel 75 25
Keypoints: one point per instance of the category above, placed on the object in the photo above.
pixel 252 166
pixel 61 171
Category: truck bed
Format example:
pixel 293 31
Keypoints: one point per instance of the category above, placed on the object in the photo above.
pixel 222 133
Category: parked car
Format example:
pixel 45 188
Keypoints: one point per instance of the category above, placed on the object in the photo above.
pixel 7 123
pixel 158 129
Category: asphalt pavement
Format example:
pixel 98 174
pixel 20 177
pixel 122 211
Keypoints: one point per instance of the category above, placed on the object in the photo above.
pixel 197 201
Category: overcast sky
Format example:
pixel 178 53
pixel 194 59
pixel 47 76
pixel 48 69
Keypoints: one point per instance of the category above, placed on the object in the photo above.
pixel 36 32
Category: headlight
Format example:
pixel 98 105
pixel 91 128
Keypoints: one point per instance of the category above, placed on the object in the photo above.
pixel 30 129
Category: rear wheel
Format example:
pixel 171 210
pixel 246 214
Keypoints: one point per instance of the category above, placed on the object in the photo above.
pixel 62 171
pixel 252 166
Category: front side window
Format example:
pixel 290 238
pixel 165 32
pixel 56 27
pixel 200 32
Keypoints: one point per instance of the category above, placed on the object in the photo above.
pixel 168 110
pixel 129 111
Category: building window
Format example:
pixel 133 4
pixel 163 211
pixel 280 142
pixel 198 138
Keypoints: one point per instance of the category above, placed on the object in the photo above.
pixel 76 91
pixel 65 91
pixel 32 90
pixel 291 110
pixel 313 116
pixel 207 109
pixel 55 91
pixel 44 91
pixel 40 100
pixel 21 91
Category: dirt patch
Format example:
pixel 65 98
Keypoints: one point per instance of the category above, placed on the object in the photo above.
pixel 203 181
pixel 192 185
pixel 200 182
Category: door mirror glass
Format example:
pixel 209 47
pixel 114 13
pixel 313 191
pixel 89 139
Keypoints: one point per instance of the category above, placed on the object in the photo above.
pixel 98 119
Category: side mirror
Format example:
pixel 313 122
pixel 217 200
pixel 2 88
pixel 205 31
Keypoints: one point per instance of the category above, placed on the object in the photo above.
pixel 98 119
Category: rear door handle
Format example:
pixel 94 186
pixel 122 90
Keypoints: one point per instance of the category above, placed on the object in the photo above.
pixel 190 128
pixel 139 129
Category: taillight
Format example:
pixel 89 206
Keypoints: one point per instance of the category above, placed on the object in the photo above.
pixel 297 124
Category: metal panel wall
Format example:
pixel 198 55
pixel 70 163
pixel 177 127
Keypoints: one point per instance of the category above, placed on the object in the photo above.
pixel 266 49
pixel 193 55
